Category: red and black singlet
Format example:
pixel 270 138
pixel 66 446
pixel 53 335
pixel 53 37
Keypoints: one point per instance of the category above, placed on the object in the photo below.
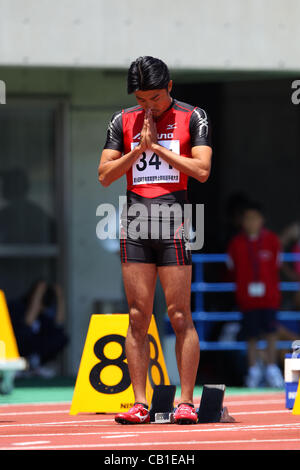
pixel 151 181
pixel 179 128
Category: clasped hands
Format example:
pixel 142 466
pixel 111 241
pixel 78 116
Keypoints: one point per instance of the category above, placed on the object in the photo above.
pixel 148 133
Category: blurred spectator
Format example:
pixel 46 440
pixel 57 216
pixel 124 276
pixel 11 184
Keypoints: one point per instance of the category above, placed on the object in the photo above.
pixel 254 263
pixel 38 321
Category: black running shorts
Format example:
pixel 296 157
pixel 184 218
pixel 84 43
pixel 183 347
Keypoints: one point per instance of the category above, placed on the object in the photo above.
pixel 155 230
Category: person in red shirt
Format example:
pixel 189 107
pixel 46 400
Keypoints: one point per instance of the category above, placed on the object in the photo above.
pixel 158 144
pixel 254 259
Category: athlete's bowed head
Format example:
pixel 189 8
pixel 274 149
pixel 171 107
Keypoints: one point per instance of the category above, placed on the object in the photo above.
pixel 149 80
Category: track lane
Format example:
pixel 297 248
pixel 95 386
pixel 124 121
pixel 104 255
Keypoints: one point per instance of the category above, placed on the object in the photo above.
pixel 262 422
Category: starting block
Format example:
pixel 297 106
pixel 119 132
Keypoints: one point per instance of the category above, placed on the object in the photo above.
pixel 211 405
pixel 210 409
pixel 162 405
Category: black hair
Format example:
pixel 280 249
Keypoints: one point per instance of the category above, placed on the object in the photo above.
pixel 147 73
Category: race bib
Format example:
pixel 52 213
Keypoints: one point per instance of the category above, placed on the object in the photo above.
pixel 150 168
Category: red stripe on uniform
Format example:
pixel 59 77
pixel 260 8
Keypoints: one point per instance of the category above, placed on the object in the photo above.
pixel 180 243
pixel 176 246
pixel 123 252
pixel 176 250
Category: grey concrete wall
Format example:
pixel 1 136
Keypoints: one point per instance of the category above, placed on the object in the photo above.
pixel 195 34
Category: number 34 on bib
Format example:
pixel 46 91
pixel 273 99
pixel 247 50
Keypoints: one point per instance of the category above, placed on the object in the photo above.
pixel 149 168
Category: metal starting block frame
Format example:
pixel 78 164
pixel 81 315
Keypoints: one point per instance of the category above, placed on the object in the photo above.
pixel 162 405
pixel 210 409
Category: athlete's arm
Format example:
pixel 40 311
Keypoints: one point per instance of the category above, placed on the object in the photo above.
pixel 112 166
pixel 197 167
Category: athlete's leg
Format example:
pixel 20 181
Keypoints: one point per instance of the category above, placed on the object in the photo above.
pixel 176 283
pixel 139 282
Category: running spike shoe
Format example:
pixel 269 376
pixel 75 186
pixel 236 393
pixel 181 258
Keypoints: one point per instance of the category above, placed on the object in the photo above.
pixel 185 413
pixel 138 414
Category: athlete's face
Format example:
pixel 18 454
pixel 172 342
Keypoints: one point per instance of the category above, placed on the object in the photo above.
pixel 156 100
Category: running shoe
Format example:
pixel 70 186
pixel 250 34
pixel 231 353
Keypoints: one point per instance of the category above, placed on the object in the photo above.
pixel 138 414
pixel 185 413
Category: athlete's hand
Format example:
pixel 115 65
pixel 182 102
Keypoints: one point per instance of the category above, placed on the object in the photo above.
pixel 151 133
pixel 148 133
pixel 143 144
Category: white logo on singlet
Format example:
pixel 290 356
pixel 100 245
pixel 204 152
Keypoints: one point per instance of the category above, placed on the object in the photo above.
pixel 203 121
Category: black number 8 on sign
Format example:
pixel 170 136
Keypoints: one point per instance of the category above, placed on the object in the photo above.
pixel 95 375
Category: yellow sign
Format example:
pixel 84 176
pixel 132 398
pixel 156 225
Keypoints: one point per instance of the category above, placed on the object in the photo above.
pixel 7 336
pixel 103 383
pixel 296 407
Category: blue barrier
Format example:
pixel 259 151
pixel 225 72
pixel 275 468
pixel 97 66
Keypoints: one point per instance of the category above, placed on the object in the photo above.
pixel 200 287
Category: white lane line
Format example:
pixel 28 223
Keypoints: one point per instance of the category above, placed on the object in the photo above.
pixel 30 443
pixel 119 436
pixel 233 413
pixel 160 443
pixel 228 402
pixel 112 421
pixel 57 423
pixel 35 404
pixel 215 428
pixel 67 410
pixel 24 413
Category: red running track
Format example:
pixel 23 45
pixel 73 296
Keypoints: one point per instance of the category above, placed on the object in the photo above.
pixel 262 423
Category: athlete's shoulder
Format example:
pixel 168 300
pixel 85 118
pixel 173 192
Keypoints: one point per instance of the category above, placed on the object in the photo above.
pixel 199 113
pixel 114 137
pixel 132 109
pixel 189 108
pixel 183 107
pixel 199 125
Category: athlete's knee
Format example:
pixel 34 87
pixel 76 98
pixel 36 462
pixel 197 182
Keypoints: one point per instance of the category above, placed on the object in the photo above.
pixel 179 319
pixel 138 321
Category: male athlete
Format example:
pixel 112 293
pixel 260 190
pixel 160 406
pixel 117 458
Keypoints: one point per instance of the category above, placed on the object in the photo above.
pixel 158 144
